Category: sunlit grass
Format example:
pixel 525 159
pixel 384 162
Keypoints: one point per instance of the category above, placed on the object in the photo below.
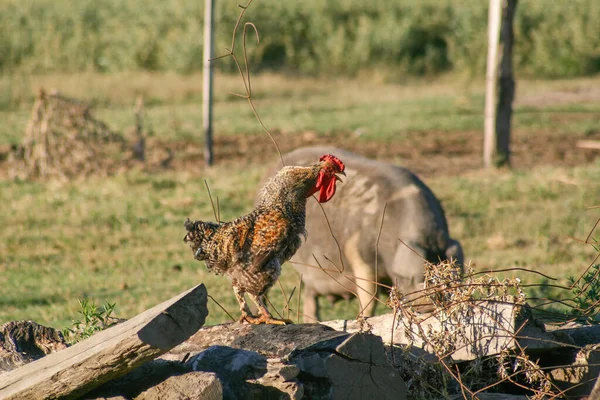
pixel 378 111
pixel 119 239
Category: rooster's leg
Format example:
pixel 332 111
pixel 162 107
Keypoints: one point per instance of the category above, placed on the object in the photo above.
pixel 246 314
pixel 265 316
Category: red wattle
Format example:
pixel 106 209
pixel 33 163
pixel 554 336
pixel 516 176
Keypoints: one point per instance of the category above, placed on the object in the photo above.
pixel 325 186
pixel 327 190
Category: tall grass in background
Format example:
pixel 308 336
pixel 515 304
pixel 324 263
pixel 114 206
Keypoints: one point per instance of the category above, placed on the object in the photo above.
pixel 407 37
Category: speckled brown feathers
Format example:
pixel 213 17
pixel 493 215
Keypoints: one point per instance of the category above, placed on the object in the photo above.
pixel 251 249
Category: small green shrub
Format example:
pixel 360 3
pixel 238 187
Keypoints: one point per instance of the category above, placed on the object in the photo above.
pixel 587 295
pixel 94 320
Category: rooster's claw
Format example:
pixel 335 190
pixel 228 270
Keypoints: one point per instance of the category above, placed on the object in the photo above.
pixel 265 320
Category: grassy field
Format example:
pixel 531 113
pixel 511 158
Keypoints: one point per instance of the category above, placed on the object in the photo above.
pixel 291 104
pixel 119 239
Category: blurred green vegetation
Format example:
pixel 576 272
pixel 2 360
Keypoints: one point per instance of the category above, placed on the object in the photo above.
pixel 554 38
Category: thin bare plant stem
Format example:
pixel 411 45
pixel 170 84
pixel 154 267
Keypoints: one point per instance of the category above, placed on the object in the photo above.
pixel 246 76
pixel 273 307
pixel 222 308
pixel 413 250
pixel 353 282
pixel 460 383
pixel 393 330
pixel 287 303
pixel 337 243
pixel 587 239
pixel 211 202
pixel 585 272
pixel 299 295
pixel 531 271
pixel 377 257
pixel 347 276
pixel 338 282
pixel 287 306
pixel 237 24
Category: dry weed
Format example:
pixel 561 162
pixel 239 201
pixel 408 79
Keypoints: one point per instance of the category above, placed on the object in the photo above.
pixel 454 301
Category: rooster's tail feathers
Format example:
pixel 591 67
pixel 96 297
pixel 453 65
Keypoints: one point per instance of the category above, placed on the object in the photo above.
pixel 189 225
pixel 195 231
pixel 198 231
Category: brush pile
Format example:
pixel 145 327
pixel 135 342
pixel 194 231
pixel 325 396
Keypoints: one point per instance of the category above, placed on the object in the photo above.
pixel 63 140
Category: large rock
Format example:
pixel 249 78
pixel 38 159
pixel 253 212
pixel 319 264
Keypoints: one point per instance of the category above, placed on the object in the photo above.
pixel 161 379
pixel 248 374
pixel 269 340
pixel 328 364
pixel 287 362
pixel 356 369
pixel 413 214
pixel 308 361
pixel 22 342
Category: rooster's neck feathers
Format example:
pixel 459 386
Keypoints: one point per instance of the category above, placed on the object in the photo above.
pixel 291 187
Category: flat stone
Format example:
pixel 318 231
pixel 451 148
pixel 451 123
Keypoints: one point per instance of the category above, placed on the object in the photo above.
pixel 191 385
pixel 359 380
pixel 364 347
pixel 490 327
pixel 269 340
pixel 234 364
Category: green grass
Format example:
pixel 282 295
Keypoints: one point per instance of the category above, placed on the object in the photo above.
pixel 524 218
pixel 119 239
pixel 382 111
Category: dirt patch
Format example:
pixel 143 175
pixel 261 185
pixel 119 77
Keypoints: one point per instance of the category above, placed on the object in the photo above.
pixel 545 98
pixel 432 153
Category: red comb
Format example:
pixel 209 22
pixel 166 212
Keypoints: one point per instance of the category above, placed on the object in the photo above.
pixel 333 160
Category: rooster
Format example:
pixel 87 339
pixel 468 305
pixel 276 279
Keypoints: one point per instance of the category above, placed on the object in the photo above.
pixel 251 249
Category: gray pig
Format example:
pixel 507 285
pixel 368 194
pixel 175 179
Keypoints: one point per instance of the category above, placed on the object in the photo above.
pixel 413 214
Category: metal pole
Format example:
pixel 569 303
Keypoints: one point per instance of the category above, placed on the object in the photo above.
pixel 489 137
pixel 207 90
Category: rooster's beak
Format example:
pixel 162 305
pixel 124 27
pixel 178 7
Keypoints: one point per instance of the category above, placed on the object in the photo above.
pixel 337 178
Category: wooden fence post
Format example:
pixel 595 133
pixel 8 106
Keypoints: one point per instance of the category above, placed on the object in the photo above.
pixel 489 141
pixel 506 85
pixel 207 90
